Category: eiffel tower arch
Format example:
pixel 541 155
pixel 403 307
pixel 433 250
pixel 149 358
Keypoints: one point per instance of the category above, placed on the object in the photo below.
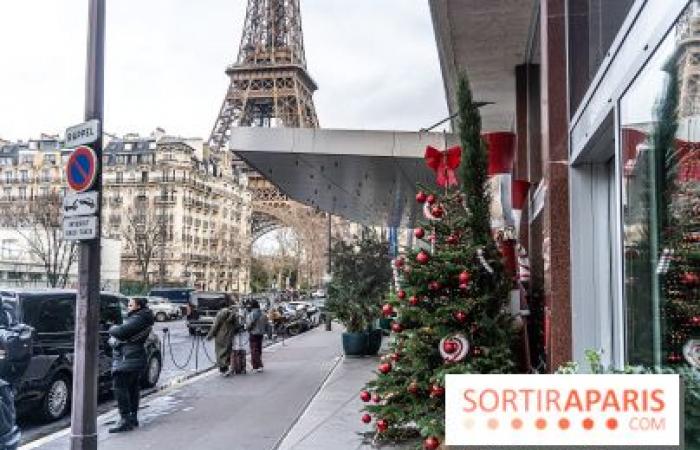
pixel 269 87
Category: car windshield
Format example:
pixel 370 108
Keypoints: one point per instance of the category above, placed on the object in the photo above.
pixel 8 311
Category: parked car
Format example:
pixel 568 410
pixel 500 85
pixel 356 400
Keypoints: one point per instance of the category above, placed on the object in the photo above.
pixel 310 307
pixel 37 335
pixel 163 309
pixel 179 296
pixel 203 308
pixel 318 293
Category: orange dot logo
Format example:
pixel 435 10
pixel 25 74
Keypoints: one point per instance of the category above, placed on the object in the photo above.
pixel 588 424
pixel 492 424
pixel 611 423
pixel 564 423
pixel 541 424
pixel 516 424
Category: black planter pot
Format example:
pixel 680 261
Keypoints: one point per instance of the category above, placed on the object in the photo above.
pixel 374 342
pixel 355 344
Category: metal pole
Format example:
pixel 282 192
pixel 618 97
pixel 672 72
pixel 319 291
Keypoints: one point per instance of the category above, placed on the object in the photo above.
pixel 85 369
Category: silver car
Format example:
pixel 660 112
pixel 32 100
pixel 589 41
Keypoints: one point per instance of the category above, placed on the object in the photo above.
pixel 163 309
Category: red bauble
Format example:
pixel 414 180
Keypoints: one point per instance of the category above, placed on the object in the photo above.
pixel 413 388
pixel 421 197
pixel 422 257
pixel 396 327
pixel 387 310
pixel 460 316
pixel 450 347
pixel 437 391
pixel 399 262
pixel 366 418
pixel 434 285
pixel 401 294
pixel 431 443
pixel 695 320
pixel 413 301
pixel 382 425
pixel 376 398
pixel 365 396
pixel 464 277
pixel 690 278
pixel 419 232
pixel 452 239
pixel 395 357
pixel 431 199
pixel 385 368
pixel 437 211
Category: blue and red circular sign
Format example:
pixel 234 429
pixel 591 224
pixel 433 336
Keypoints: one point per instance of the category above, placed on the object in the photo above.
pixel 81 169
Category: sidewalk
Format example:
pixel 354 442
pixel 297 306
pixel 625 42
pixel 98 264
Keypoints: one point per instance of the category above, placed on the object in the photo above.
pixel 251 412
pixel 332 420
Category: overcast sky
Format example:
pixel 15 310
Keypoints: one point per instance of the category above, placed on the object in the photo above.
pixel 375 62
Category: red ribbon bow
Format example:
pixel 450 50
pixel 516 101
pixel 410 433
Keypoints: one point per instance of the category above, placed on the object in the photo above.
pixel 444 164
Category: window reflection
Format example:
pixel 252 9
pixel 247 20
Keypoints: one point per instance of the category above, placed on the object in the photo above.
pixel 660 140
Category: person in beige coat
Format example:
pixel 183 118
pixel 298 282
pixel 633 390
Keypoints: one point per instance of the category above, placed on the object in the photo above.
pixel 222 331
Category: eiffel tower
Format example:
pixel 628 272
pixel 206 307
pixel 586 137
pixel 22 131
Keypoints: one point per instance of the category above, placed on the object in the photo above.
pixel 270 87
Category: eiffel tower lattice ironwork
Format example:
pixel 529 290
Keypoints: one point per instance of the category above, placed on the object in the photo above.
pixel 270 87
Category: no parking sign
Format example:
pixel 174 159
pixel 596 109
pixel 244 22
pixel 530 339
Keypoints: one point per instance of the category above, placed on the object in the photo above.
pixel 81 169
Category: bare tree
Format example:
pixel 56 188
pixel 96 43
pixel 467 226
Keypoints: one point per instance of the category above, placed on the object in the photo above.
pixel 142 234
pixel 38 221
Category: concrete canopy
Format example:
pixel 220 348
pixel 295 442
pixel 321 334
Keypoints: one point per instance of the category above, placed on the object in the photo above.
pixel 486 39
pixel 364 176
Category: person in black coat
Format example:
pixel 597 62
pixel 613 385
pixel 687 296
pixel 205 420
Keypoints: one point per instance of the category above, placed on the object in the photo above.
pixel 129 361
pixel 9 433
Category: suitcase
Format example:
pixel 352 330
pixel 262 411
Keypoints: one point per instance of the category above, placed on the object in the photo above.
pixel 239 362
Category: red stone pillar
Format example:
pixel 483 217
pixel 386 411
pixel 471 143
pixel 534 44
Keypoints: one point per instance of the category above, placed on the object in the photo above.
pixel 555 155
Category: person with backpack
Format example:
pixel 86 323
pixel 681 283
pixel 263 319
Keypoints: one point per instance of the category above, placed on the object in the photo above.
pixel 240 345
pixel 256 324
pixel 129 361
pixel 9 433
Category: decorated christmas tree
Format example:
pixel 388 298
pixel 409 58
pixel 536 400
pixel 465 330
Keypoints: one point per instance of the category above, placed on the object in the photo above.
pixel 450 314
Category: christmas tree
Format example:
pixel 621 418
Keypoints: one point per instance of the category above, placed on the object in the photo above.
pixel 450 314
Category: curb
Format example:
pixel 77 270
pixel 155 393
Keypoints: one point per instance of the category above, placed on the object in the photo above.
pixel 306 406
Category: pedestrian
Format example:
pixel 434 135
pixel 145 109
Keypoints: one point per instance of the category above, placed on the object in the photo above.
pixel 129 361
pixel 241 344
pixel 9 433
pixel 256 325
pixel 222 332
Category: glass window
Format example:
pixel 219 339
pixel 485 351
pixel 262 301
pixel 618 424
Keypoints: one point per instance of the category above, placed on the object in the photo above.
pixel 592 25
pixel 50 314
pixel 111 310
pixel 660 142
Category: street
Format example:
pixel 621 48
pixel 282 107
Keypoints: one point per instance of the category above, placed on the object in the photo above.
pixel 254 411
pixel 178 364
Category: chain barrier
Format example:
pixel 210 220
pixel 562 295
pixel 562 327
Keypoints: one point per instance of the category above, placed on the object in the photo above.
pixel 166 341
pixel 206 352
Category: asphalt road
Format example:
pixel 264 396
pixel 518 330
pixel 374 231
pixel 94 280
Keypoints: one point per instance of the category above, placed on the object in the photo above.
pixel 242 412
pixel 183 357
pixel 182 362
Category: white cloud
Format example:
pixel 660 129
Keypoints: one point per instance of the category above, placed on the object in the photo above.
pixel 375 62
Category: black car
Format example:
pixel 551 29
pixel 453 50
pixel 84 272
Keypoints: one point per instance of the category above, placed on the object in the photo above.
pixel 37 331
pixel 178 296
pixel 203 308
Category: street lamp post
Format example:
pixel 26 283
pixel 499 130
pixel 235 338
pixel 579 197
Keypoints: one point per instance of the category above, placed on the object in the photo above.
pixel 85 368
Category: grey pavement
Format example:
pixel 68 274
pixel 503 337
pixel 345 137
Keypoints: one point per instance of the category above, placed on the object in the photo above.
pixel 250 412
pixel 332 420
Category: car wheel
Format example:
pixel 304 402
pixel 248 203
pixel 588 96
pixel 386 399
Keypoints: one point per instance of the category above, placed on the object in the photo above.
pixel 294 330
pixel 57 400
pixel 152 374
pixel 161 317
